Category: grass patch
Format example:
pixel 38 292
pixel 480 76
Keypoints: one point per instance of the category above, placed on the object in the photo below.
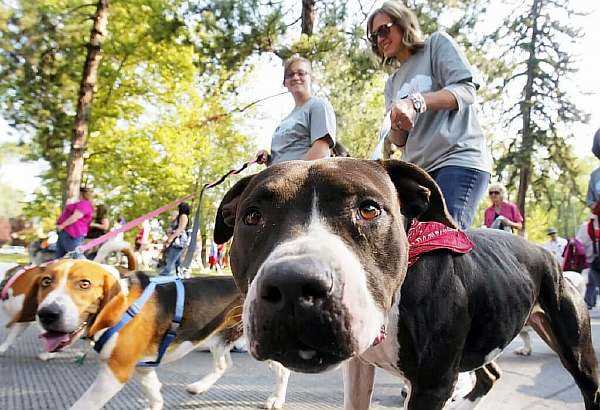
pixel 14 258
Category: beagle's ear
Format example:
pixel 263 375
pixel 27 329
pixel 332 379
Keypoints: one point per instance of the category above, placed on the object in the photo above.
pixel 111 287
pixel 225 219
pixel 112 305
pixel 420 197
pixel 29 281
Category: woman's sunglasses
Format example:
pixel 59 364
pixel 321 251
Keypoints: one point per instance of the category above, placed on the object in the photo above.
pixel 382 31
pixel 494 192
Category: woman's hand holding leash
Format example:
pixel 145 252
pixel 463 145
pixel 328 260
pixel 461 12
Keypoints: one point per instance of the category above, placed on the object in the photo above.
pixel 403 115
pixel 262 157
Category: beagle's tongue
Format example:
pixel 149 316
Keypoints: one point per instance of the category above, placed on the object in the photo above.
pixel 54 340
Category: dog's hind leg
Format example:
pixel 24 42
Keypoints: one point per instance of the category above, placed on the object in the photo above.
pixel 221 362
pixel 277 399
pixel 100 392
pixel 151 386
pixel 525 350
pixel 15 330
pixel 565 326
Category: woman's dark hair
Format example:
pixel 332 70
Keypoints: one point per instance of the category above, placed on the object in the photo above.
pixel 184 209
pixel 101 212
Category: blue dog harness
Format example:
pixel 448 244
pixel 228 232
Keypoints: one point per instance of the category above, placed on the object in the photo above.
pixel 137 306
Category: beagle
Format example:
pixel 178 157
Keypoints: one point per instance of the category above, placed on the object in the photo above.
pixel 16 301
pixel 73 296
pixel 15 304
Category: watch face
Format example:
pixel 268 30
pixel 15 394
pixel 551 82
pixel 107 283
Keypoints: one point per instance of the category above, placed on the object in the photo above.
pixel 417 104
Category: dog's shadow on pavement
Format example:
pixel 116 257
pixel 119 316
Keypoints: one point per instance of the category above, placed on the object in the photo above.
pixel 552 381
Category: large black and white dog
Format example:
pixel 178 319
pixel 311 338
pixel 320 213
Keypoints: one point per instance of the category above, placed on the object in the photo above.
pixel 320 250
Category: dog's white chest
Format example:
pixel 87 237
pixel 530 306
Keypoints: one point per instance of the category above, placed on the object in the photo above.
pixel 385 354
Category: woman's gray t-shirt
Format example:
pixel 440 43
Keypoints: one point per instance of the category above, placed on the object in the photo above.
pixel 301 128
pixel 445 137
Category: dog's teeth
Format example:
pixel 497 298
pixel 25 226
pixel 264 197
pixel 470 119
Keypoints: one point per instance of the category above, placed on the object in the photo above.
pixel 307 354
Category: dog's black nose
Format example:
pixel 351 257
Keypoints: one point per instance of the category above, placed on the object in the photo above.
pixel 301 282
pixel 49 315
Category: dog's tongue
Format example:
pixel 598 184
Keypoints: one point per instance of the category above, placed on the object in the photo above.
pixel 53 340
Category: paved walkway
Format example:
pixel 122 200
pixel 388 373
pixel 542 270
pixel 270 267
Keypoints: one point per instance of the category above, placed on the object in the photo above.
pixel 536 382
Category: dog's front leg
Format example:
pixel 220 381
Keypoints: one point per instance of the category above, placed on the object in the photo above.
pixel 15 330
pixel 221 362
pixel 101 391
pixel 432 397
pixel 277 399
pixel 358 384
pixel 151 386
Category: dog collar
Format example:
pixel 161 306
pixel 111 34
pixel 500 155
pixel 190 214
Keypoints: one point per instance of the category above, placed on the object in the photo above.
pixel 425 237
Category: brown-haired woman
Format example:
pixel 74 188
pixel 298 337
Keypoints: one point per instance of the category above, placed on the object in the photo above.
pixel 430 100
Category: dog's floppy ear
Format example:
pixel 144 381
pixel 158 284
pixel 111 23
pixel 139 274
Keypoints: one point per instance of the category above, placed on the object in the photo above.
pixel 112 306
pixel 225 219
pixel 420 197
pixel 31 281
pixel 111 287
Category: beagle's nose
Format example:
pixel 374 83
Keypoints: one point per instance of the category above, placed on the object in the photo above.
pixel 299 283
pixel 49 315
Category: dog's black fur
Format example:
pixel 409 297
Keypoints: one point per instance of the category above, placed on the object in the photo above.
pixel 455 312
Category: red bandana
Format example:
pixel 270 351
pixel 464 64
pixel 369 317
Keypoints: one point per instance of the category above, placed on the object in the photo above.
pixel 428 236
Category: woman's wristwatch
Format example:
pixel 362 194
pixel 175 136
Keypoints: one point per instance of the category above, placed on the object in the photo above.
pixel 418 102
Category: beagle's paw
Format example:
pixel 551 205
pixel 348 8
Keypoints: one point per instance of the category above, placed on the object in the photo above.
pixel 45 356
pixel 274 402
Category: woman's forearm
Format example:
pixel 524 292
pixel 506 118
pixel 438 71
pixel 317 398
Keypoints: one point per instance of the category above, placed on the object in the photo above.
pixel 319 149
pixel 440 100
pixel 70 220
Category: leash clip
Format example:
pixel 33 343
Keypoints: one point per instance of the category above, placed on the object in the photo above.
pixel 174 327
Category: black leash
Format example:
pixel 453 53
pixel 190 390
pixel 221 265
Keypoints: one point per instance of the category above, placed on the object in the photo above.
pixel 197 219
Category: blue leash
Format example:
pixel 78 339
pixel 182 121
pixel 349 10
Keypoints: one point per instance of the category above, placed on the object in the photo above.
pixel 137 306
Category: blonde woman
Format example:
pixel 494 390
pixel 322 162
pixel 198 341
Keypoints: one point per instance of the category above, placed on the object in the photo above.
pixel 308 132
pixel 430 99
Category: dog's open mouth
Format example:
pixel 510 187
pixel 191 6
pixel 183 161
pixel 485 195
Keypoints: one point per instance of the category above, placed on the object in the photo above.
pixel 55 341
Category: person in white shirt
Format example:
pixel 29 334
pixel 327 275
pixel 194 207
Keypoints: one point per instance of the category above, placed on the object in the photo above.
pixel 556 245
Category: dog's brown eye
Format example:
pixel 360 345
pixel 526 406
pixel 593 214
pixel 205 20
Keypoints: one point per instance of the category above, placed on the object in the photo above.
pixel 85 284
pixel 369 210
pixel 252 217
pixel 46 281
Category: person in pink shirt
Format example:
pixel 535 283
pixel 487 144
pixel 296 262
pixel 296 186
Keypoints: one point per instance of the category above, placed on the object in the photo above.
pixel 502 214
pixel 74 222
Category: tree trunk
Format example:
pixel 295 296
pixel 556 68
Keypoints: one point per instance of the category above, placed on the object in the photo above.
pixel 84 103
pixel 527 132
pixel 308 17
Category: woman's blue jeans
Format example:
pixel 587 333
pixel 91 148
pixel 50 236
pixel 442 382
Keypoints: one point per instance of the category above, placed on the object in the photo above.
pixel 171 260
pixel 66 243
pixel 463 188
